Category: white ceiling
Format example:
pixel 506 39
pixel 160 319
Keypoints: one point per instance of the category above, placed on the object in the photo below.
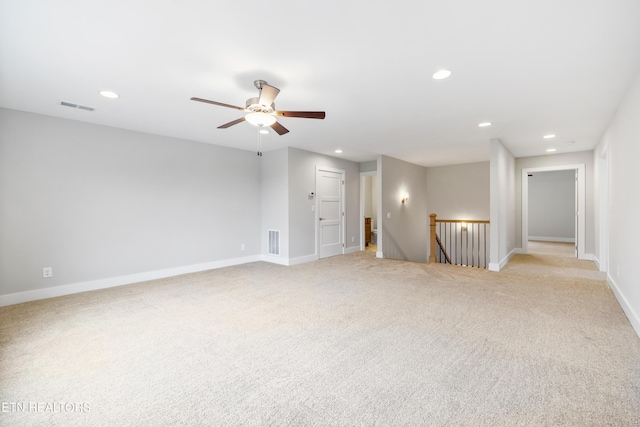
pixel 532 67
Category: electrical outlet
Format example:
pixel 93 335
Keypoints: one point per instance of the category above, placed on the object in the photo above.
pixel 47 272
pixel 242 247
pixel 353 239
pixel 388 215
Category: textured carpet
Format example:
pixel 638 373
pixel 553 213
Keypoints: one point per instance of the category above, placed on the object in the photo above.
pixel 345 341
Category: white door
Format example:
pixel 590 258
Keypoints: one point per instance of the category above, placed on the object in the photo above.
pixel 329 193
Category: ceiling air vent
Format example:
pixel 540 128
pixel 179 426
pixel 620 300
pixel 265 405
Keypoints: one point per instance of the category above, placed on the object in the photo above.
pixel 79 107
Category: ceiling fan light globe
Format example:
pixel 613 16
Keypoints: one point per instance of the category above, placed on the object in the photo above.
pixel 260 119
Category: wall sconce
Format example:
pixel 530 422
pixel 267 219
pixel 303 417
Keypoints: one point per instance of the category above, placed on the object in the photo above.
pixel 463 227
pixel 405 199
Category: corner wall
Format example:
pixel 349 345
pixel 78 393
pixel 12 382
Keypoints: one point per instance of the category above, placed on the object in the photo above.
pixel 274 166
pixel 502 202
pixel 405 235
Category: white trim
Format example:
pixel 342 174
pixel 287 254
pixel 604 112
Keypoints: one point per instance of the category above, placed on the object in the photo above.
pixel 288 262
pixel 553 239
pixel 302 259
pixel 633 317
pixel 93 285
pixel 582 205
pixel 379 254
pixel 275 259
pixel 494 266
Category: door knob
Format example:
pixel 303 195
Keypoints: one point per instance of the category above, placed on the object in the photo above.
pixel 321 219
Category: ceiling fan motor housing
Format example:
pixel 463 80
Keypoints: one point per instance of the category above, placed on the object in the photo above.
pixel 253 105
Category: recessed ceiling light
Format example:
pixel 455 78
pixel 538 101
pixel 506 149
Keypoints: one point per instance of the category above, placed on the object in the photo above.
pixel 549 136
pixel 551 150
pixel 442 74
pixel 338 151
pixel 109 94
pixel 484 124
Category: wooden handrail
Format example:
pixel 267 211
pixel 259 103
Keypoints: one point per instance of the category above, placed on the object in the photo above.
pixel 470 221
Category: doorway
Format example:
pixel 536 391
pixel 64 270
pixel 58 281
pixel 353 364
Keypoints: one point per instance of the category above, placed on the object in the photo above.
pixel 369 209
pixel 330 208
pixel 579 223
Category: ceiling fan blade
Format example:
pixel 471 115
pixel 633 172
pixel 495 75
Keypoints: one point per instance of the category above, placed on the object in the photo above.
pixel 217 103
pixel 268 94
pixel 235 122
pixel 279 128
pixel 303 114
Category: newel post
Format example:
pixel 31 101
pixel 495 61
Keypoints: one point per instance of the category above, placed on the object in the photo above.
pixel 432 237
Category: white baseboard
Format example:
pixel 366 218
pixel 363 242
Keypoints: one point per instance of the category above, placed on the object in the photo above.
pixel 303 259
pixel 274 259
pixel 352 250
pixel 379 254
pixel 93 285
pixel 633 317
pixel 289 261
pixel 494 266
pixel 553 239
pixel 588 257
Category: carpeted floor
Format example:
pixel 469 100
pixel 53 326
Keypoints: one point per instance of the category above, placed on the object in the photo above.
pixel 344 341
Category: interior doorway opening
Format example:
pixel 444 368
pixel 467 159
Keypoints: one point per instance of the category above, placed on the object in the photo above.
pixel 579 203
pixel 369 232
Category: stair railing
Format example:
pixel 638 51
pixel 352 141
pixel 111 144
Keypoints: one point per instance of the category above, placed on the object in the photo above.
pixel 459 241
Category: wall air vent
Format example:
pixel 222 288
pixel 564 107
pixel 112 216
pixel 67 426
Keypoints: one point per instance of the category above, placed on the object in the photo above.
pixel 79 107
pixel 274 242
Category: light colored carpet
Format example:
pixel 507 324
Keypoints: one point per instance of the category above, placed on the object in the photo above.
pixel 551 248
pixel 345 341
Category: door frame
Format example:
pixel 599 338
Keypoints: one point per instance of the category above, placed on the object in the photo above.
pixel 362 202
pixel 343 203
pixel 581 203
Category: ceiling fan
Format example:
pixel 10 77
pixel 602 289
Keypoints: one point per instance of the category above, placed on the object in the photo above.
pixel 261 111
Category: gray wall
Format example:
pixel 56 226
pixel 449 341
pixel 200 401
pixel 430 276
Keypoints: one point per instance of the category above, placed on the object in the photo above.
pixel 302 220
pixel 580 157
pixel 95 202
pixel 369 166
pixel 459 191
pixel 552 207
pixel 404 236
pixel 620 146
pixel 502 203
pixel 275 201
